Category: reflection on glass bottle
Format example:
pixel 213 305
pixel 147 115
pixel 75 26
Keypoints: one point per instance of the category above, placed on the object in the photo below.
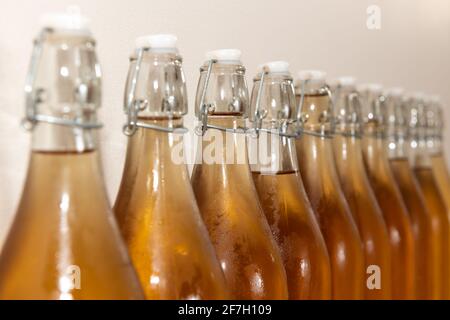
pixel 155 207
pixel 427 256
pixel 358 192
pixel 435 124
pixel 64 242
pixel 321 181
pixel 223 185
pixel 415 110
pixel 388 194
pixel 275 173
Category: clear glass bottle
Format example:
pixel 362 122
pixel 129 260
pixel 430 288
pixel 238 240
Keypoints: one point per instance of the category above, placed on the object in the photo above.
pixel 358 192
pixel 64 242
pixel 435 124
pixel 279 185
pixel 388 194
pixel 427 256
pixel 155 206
pixel 415 110
pixel 223 185
pixel 321 181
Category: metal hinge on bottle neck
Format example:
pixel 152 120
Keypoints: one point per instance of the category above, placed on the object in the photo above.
pixel 33 96
pixel 300 129
pixel 260 114
pixel 204 109
pixel 133 106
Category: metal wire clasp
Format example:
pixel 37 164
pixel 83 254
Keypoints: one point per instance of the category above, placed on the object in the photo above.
pixel 133 106
pixel 34 96
pixel 261 114
pixel 300 129
pixel 205 108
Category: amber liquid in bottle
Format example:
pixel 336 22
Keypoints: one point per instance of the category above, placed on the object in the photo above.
pixel 160 222
pixel 395 216
pixel 367 215
pixel 426 239
pixel 64 242
pixel 297 233
pixel 318 172
pixel 228 202
pixel 442 177
pixel 440 223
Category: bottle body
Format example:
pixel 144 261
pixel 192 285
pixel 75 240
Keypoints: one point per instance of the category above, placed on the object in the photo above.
pixel 64 242
pixel 426 240
pixel 318 172
pixel 294 227
pixel 442 176
pixel 160 222
pixel 367 215
pixel 228 202
pixel 395 216
pixel 440 223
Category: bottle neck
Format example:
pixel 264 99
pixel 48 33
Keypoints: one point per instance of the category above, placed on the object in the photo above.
pixel 316 113
pixel 419 153
pixel 217 147
pixel 271 154
pixel 348 155
pixel 156 155
pixel 57 138
pixel 375 156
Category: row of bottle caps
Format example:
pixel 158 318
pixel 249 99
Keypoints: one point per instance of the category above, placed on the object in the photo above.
pixel 164 46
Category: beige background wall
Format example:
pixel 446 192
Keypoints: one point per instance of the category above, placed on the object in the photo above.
pixel 412 49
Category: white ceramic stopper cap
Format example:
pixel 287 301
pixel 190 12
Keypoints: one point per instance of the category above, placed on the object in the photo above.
pixel 371 87
pixel 224 55
pixel 71 20
pixel 395 92
pixel 435 98
pixel 346 81
pixel 275 67
pixel 311 75
pixel 157 41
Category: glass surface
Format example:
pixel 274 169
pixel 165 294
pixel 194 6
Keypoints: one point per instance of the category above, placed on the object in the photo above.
pixel 367 215
pixel 161 224
pixel 228 202
pixel 64 242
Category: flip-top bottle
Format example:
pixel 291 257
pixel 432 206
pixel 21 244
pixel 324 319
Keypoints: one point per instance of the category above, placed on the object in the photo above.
pixel 223 185
pixel 427 256
pixel 435 124
pixel 415 109
pixel 64 242
pixel 155 207
pixel 275 173
pixel 388 194
pixel 358 192
pixel 321 181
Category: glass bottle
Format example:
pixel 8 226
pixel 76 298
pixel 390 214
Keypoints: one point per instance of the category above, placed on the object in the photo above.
pixel 64 242
pixel 279 187
pixel 155 206
pixel 321 181
pixel 388 194
pixel 415 110
pixel 358 192
pixel 223 185
pixel 435 146
pixel 427 257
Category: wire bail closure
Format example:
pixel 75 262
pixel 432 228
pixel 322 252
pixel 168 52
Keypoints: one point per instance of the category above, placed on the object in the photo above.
pixel 205 108
pixel 353 100
pixel 33 96
pixel 260 115
pixel 300 129
pixel 133 106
